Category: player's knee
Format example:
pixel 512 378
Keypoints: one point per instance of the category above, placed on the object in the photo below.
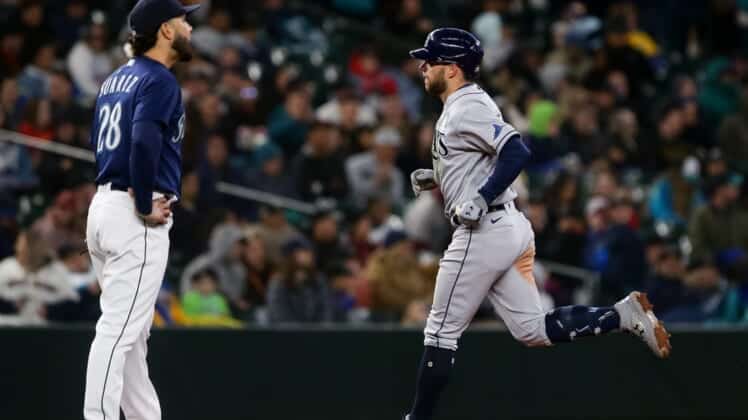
pixel 530 332
pixel 440 341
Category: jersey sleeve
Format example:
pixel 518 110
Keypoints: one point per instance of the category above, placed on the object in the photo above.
pixel 156 100
pixel 483 128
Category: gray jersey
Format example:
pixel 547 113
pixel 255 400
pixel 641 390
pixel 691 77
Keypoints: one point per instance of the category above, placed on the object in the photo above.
pixel 468 138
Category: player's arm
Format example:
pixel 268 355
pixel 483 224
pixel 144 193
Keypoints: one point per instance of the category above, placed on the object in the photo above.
pixel 488 133
pixel 512 159
pixel 155 102
pixel 147 141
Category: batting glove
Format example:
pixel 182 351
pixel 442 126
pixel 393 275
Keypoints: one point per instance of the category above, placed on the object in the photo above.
pixel 422 180
pixel 470 212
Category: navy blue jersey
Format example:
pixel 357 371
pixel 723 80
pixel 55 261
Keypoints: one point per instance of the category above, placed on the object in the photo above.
pixel 140 90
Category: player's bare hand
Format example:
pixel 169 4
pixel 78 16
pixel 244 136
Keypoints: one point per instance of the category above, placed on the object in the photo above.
pixel 160 213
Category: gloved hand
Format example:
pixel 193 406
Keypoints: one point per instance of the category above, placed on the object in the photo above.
pixel 422 180
pixel 470 212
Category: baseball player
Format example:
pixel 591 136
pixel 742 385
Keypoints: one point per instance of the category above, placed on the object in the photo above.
pixel 476 156
pixel 136 134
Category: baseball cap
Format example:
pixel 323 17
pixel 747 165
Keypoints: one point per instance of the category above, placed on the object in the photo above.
pixel 295 244
pixel 394 237
pixel 148 15
pixel 596 204
pixel 387 136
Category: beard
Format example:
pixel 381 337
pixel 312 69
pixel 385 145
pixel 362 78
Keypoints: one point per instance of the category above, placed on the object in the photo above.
pixel 183 48
pixel 437 84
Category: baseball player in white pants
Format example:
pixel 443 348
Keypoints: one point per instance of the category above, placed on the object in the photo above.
pixel 476 156
pixel 137 135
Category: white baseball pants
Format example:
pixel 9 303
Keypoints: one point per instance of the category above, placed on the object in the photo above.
pixel 129 260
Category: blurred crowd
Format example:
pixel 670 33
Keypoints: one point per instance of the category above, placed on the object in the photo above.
pixel 638 128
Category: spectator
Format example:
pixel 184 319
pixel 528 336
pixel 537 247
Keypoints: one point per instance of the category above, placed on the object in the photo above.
pixel 671 148
pixel 564 192
pixel 37 120
pixel 374 173
pixel 288 124
pixel 621 56
pixel 89 62
pixel 270 176
pixel 396 277
pixel 719 93
pixel 275 231
pixel 358 237
pixel 409 21
pixel 719 229
pixel 346 111
pixel 69 26
pixel 59 172
pixel 33 22
pixel 382 220
pixel 11 104
pixel 674 196
pixel 326 241
pixel 206 117
pixel 11 44
pixel 33 82
pixel 703 296
pixel 299 293
pixel 23 293
pixel 16 170
pixel 625 151
pixel 614 250
pixel 561 240
pixel 259 270
pixel 584 136
pixel 425 222
pixel 64 108
pixel 487 26
pixel 215 167
pixel 189 234
pixel 665 286
pixel 343 295
pixel 416 153
pixel 392 114
pixel 733 137
pixel 211 38
pixel 203 298
pixel 73 271
pixel 224 258
pixel 318 169
pixel 59 226
pixel 366 70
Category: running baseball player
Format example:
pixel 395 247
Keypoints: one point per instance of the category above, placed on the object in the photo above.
pixel 476 156
pixel 136 134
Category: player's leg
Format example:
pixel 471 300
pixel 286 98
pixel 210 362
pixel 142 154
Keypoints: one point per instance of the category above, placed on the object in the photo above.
pixel 516 299
pixel 139 398
pixel 464 277
pixel 129 290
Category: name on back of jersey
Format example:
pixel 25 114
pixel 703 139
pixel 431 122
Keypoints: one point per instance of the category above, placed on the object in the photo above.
pixel 118 84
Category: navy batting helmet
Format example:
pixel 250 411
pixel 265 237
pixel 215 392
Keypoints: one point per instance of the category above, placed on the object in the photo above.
pixel 452 45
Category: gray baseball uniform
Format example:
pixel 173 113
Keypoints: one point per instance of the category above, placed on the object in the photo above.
pixel 495 259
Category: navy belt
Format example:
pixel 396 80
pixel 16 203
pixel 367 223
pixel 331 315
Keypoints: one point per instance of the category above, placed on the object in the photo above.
pixel 497 207
pixel 120 187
